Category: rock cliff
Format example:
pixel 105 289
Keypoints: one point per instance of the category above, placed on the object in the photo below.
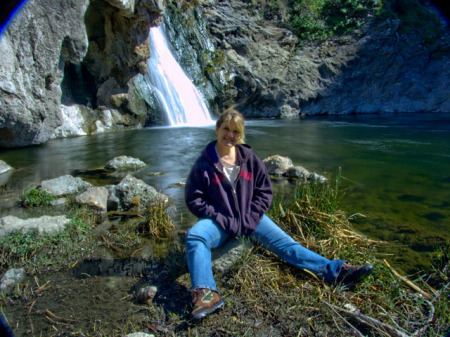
pixel 66 66
pixel 377 68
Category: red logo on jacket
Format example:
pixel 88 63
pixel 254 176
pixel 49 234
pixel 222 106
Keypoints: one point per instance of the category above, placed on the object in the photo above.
pixel 246 175
pixel 216 179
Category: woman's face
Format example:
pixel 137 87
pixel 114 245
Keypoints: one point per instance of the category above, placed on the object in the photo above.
pixel 227 135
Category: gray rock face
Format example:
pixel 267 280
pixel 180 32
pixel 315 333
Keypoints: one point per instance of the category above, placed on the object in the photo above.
pixel 34 48
pixel 59 54
pixel 73 68
pixel 377 69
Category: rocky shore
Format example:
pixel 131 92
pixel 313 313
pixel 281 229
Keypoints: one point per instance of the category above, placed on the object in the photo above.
pixel 130 195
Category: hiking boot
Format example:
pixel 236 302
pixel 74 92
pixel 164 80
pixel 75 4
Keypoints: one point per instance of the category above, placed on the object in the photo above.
pixel 351 274
pixel 205 301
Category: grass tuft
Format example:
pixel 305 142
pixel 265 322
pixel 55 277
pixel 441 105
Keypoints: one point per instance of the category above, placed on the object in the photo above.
pixel 36 197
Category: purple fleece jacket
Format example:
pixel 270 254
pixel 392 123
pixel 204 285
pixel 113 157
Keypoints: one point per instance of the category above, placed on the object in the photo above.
pixel 210 195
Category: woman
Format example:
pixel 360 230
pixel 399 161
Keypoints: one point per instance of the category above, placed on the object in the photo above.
pixel 229 190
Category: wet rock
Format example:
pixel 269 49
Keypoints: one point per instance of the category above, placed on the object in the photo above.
pixel 316 177
pixel 133 193
pixel 278 165
pixel 45 224
pixel 11 278
pixel 4 167
pixel 96 197
pixel 297 172
pixel 124 163
pixel 64 185
pixel 282 167
pixel 145 295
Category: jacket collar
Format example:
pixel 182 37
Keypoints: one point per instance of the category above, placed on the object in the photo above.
pixel 243 153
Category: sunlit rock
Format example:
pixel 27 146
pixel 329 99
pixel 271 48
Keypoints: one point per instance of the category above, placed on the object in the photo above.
pixel 64 185
pixel 133 193
pixel 278 165
pixel 45 224
pixel 36 43
pixel 96 197
pixel 4 167
pixel 297 172
pixel 124 163
pixel 73 122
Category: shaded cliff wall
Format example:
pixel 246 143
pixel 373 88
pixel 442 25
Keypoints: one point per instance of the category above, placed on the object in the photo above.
pixel 271 73
pixel 67 65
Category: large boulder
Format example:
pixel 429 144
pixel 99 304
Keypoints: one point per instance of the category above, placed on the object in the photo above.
pixel 133 193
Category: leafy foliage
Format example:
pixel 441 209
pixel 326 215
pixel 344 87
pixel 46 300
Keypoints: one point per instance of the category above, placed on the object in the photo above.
pixel 313 20
pixel 320 19
pixel 36 197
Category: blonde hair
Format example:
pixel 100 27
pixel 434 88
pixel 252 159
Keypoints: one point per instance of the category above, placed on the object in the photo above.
pixel 232 115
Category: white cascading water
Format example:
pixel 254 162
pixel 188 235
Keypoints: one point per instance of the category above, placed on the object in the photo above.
pixel 175 92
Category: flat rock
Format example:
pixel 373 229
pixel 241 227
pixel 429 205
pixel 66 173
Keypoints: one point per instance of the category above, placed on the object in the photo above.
pixel 44 225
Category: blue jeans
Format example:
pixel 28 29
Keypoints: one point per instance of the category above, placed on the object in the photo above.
pixel 206 235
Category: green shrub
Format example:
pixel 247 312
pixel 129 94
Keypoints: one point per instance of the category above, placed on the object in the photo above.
pixel 305 20
pixel 36 197
pixel 346 15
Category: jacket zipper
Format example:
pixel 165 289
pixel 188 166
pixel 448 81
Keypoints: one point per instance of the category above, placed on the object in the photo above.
pixel 233 192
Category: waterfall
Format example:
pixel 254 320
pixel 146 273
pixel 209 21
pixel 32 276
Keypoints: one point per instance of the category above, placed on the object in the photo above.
pixel 175 92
